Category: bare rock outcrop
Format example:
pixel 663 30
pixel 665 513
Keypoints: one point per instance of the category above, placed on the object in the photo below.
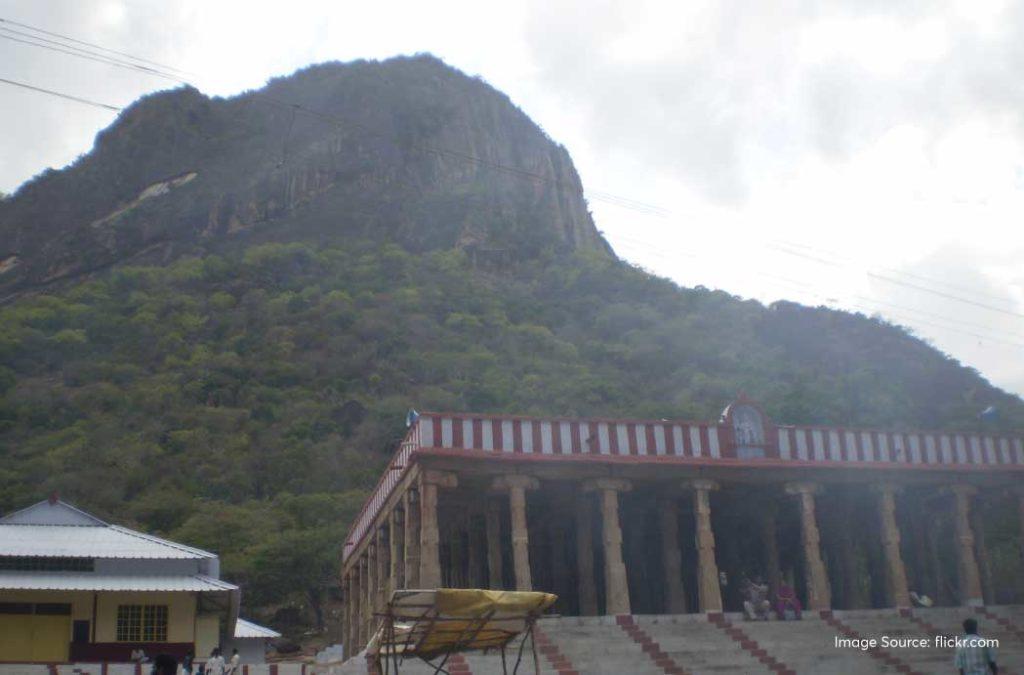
pixel 408 149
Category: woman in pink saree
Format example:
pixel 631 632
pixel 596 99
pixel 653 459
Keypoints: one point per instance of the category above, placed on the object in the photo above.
pixel 786 602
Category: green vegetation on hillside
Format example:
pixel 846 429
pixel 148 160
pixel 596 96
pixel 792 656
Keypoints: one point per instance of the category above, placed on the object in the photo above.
pixel 245 402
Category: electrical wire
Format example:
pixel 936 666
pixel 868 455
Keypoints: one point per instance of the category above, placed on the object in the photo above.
pixel 81 53
pixel 959 326
pixel 94 46
pixel 907 284
pixel 69 97
pixel 889 270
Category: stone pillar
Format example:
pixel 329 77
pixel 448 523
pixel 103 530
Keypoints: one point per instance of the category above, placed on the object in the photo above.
pixel 396 535
pixel 517 485
pixel 361 597
pixel 430 536
pixel 495 561
pixel 383 569
pixel 411 533
pixel 616 583
pixel 709 591
pixel 370 597
pixel 896 593
pixel 346 633
pixel 819 596
pixel 356 630
pixel 671 556
pixel 967 564
pixel 585 558
pixel 346 617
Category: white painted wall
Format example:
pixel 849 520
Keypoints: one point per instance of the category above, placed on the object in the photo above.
pixel 251 650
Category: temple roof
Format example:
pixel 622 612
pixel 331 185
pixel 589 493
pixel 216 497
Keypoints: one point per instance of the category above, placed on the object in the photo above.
pixel 743 437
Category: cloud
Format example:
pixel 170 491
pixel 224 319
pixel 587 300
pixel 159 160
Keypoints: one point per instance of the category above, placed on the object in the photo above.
pixel 696 88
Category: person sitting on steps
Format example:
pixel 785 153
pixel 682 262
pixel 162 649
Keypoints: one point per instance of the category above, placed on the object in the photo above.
pixel 787 605
pixel 755 599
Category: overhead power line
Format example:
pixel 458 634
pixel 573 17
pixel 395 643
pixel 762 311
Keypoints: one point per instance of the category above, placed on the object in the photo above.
pixel 932 315
pixel 907 284
pixel 909 321
pixel 94 46
pixel 69 97
pixel 90 56
pixel 902 273
pixel 858 303
pixel 948 296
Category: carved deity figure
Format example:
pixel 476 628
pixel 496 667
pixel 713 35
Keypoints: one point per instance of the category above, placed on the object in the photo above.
pixel 747 427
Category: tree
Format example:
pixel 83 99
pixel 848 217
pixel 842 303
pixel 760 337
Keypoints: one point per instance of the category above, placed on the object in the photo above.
pixel 305 559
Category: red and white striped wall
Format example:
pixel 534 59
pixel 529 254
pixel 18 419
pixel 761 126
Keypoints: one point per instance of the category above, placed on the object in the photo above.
pixel 709 441
pixel 924 448
pixel 570 437
pixel 689 442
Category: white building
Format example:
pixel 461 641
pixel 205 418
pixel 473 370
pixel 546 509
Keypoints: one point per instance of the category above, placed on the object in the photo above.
pixel 74 588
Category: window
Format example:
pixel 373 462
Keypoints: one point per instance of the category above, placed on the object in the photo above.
pixel 35 564
pixel 142 623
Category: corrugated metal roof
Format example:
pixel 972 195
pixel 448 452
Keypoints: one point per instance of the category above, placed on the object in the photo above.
pixel 86 581
pixel 248 629
pixel 76 541
pixel 52 512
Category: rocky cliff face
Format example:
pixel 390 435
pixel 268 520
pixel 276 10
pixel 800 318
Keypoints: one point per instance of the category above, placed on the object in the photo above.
pixel 407 149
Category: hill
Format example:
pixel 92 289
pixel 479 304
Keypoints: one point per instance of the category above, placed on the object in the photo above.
pixel 409 150
pixel 216 320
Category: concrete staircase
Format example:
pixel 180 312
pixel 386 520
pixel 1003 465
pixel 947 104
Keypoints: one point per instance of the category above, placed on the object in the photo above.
pixel 696 644
pixel 808 646
pixel 699 646
pixel 598 645
pixel 993 622
pixel 928 623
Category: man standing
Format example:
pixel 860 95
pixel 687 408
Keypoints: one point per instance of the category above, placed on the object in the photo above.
pixel 235 664
pixel 975 656
pixel 215 664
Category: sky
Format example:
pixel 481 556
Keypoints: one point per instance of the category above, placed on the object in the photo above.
pixel 863 155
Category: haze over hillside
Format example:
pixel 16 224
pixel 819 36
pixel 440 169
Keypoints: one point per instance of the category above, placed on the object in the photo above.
pixel 215 321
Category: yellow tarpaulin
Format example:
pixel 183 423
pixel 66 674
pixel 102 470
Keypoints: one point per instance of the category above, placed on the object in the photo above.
pixel 432 622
